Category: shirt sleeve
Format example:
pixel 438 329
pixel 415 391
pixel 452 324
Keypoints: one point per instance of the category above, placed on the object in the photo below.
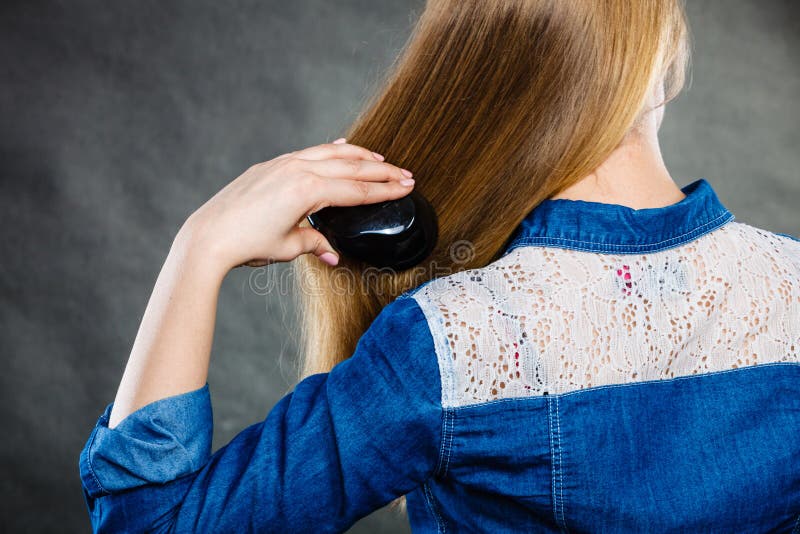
pixel 339 446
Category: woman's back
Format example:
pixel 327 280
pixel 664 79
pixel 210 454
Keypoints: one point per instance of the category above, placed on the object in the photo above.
pixel 616 370
pixel 620 370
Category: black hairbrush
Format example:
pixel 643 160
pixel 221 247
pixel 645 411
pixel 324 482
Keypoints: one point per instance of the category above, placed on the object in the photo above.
pixel 397 233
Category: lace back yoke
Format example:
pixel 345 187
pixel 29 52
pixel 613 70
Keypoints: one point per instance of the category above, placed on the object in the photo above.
pixel 546 320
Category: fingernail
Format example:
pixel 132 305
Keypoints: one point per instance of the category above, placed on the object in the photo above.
pixel 329 257
pixel 407 172
pixel 378 156
pixel 339 141
pixel 406 181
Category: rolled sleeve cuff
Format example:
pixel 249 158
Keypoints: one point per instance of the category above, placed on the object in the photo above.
pixel 158 443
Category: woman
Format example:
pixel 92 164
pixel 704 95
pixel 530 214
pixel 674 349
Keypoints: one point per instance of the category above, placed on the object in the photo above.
pixel 613 353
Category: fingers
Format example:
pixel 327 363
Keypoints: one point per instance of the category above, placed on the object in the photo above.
pixel 356 169
pixel 304 240
pixel 338 150
pixel 325 192
pixel 301 240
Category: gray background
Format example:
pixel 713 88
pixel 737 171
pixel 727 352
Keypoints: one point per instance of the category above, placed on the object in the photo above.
pixel 119 118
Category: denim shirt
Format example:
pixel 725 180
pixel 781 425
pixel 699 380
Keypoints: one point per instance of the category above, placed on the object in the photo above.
pixel 616 370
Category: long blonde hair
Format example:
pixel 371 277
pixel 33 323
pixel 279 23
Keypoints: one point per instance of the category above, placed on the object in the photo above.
pixel 495 105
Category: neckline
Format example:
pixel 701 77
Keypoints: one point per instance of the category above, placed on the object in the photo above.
pixel 614 228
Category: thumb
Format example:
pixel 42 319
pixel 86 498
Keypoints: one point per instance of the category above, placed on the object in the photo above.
pixel 309 240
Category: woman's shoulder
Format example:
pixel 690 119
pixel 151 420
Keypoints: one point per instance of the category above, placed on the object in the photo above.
pixel 782 249
pixel 467 288
pixel 751 231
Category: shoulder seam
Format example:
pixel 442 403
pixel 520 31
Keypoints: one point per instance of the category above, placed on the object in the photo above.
pixel 446 377
pixel 441 346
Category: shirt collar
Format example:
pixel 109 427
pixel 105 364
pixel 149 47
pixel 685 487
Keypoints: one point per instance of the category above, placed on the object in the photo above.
pixel 613 228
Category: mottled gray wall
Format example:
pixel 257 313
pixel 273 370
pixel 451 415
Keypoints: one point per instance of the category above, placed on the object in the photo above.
pixel 117 119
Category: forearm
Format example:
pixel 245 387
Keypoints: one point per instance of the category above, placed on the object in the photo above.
pixel 254 220
pixel 135 473
pixel 172 349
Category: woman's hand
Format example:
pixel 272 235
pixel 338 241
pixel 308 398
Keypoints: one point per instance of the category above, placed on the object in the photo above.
pixel 254 220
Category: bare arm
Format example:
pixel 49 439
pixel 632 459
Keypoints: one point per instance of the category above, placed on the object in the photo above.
pixel 254 220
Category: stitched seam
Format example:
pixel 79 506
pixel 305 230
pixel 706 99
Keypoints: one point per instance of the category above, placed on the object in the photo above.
pixel 796 529
pixel 553 470
pixel 560 468
pixel 447 376
pixel 675 238
pixel 440 527
pixel 552 452
pixel 452 415
pixel 539 398
pixel 441 445
pixel 648 247
pixel 441 347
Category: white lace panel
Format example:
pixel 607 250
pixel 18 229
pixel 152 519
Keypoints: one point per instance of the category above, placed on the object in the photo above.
pixel 545 319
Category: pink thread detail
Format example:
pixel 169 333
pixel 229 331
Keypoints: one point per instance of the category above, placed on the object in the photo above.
pixel 625 276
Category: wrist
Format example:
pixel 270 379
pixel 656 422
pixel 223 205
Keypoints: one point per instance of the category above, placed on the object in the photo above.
pixel 192 245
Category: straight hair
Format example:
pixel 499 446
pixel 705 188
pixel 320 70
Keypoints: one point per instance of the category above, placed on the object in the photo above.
pixel 495 105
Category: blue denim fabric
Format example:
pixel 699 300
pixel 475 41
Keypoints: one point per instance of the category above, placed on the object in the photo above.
pixel 642 457
pixel 654 456
pixel 612 228
pixel 339 446
pixel 178 428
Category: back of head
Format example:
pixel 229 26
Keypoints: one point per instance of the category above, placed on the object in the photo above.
pixel 495 105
